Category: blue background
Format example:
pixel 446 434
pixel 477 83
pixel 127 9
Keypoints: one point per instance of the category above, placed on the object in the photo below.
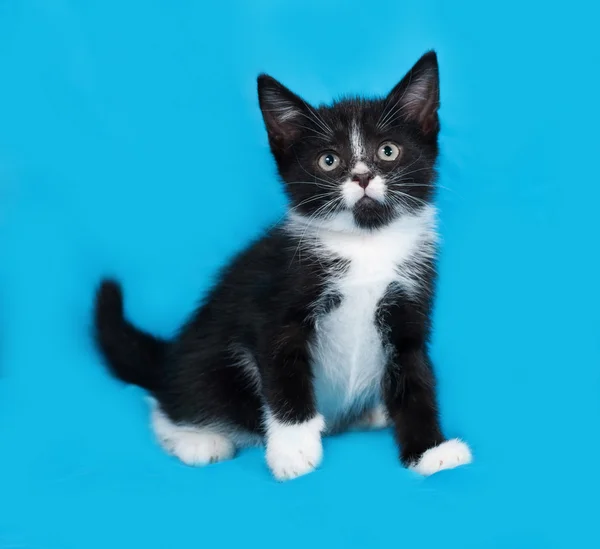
pixel 131 144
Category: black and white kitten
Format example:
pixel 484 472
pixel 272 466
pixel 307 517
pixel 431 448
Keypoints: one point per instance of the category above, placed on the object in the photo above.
pixel 323 324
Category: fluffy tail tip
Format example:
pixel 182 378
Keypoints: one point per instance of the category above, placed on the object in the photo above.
pixel 109 302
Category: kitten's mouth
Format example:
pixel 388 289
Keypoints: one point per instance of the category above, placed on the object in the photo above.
pixel 365 199
pixel 369 213
pixel 365 205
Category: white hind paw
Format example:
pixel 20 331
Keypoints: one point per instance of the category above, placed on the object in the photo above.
pixel 447 455
pixel 192 445
pixel 199 448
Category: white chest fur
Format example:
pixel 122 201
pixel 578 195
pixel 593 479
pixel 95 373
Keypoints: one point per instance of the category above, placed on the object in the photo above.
pixel 348 353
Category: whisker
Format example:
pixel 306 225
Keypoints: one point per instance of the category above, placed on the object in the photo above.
pixel 318 119
pixel 397 202
pixel 311 199
pixel 402 176
pixel 328 186
pixel 312 174
pixel 404 171
pixel 425 185
pixel 406 195
pixel 323 135
pixel 400 112
pixel 327 207
pixel 382 123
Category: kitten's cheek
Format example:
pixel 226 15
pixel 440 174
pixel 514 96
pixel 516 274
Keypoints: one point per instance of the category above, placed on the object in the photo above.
pixel 294 450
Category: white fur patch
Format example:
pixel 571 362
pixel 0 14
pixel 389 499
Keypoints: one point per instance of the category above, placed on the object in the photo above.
pixel 360 167
pixel 294 449
pixel 347 351
pixel 192 445
pixel 376 189
pixel 284 110
pixel 352 192
pixel 285 113
pixel 447 455
pixel 376 418
pixel 243 358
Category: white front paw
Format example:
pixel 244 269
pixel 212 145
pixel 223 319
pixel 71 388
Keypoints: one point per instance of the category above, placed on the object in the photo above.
pixel 447 455
pixel 294 449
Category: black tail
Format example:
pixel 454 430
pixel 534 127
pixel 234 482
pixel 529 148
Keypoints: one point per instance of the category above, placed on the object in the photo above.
pixel 132 354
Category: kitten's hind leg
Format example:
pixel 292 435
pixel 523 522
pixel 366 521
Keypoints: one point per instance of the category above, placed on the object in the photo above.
pixel 192 445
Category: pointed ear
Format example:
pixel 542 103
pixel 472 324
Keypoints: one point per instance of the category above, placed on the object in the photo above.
pixel 284 112
pixel 417 97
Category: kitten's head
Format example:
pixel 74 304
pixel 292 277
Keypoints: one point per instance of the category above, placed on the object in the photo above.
pixel 357 164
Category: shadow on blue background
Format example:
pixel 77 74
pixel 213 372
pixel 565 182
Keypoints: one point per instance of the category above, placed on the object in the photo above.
pixel 131 144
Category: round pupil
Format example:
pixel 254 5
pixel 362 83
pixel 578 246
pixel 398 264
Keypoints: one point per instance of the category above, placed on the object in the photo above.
pixel 329 160
pixel 388 151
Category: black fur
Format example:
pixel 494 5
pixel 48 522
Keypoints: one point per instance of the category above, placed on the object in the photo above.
pixel 263 307
pixel 132 354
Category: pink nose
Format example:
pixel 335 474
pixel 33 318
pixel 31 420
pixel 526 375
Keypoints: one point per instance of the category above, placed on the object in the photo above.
pixel 362 179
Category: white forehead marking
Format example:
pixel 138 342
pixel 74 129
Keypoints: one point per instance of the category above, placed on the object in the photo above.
pixel 358 150
pixel 360 167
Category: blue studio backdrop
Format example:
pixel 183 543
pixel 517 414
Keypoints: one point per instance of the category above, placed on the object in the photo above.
pixel 131 144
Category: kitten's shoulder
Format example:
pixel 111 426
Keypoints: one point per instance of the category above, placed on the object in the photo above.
pixel 273 243
pixel 273 254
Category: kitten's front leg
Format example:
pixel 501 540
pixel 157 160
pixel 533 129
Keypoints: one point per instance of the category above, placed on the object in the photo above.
pixel 411 399
pixel 293 426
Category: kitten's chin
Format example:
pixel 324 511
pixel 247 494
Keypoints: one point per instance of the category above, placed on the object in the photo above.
pixel 370 214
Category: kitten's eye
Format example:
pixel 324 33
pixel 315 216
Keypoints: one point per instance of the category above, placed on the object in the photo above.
pixel 389 151
pixel 328 162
